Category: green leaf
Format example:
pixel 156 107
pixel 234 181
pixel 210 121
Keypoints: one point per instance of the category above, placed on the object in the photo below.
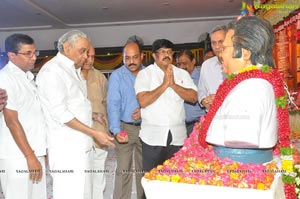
pixel 288 179
pixel 265 68
pixel 281 102
pixel 231 76
pixel 285 151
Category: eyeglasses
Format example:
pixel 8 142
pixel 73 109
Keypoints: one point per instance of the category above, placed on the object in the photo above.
pixel 214 43
pixel 224 47
pixel 29 54
pixel 164 52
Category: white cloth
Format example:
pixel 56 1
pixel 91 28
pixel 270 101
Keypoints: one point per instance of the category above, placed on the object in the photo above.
pixel 15 180
pixel 63 96
pixel 23 99
pixel 182 190
pixel 248 114
pixel 98 173
pixel 211 77
pixel 167 112
pixel 68 170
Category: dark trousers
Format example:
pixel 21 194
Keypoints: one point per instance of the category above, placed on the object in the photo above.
pixel 189 127
pixel 156 155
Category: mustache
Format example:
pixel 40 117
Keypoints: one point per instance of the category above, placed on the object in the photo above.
pixel 166 58
pixel 132 64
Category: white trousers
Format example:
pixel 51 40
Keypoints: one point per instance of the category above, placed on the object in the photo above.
pixel 98 172
pixel 15 180
pixel 68 170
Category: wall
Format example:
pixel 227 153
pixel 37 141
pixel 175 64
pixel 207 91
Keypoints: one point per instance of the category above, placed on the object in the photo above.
pixel 113 36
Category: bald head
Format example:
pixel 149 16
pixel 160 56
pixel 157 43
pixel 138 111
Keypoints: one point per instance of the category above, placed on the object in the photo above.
pixel 132 57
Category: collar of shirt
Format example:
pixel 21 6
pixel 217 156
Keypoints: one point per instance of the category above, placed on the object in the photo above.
pixel 157 68
pixel 124 69
pixel 15 69
pixel 92 68
pixel 67 62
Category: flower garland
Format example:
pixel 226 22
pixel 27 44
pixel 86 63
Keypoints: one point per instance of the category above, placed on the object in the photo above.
pixel 272 76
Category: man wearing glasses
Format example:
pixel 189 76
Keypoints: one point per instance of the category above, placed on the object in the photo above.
pixel 23 133
pixel 161 90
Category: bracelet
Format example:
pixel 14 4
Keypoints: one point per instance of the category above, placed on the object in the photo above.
pixel 29 154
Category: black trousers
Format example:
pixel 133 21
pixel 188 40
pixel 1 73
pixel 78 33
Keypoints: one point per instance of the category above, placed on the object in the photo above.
pixel 156 155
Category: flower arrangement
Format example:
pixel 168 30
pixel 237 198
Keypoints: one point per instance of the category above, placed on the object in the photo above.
pixel 194 164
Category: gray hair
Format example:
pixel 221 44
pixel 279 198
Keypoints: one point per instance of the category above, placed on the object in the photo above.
pixel 71 37
pixel 218 28
pixel 256 35
pixel 135 38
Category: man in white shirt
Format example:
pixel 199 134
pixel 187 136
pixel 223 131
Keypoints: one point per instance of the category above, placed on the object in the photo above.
pixel 161 90
pixel 23 130
pixel 211 71
pixel 69 117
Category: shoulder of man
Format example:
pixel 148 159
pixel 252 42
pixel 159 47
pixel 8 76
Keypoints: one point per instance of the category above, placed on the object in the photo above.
pixel 209 62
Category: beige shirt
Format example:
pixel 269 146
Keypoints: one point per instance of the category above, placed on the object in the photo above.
pixel 97 92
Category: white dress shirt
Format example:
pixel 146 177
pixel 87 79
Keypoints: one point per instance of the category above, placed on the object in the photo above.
pixel 248 114
pixel 64 97
pixel 167 112
pixel 211 77
pixel 23 99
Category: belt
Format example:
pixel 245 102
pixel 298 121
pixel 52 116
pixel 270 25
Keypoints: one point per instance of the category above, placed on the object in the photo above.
pixel 132 123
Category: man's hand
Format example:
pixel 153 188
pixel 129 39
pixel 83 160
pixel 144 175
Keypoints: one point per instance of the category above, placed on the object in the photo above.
pixel 171 75
pixel 3 99
pixel 166 80
pixel 136 114
pixel 34 167
pixel 207 101
pixel 104 139
pixel 121 138
pixel 99 117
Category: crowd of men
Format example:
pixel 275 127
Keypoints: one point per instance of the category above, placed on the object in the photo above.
pixel 70 114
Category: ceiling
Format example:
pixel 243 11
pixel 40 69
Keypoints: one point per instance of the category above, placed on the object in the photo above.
pixel 56 14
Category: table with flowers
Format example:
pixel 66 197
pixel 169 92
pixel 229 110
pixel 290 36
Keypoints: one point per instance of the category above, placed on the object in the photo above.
pixel 180 176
